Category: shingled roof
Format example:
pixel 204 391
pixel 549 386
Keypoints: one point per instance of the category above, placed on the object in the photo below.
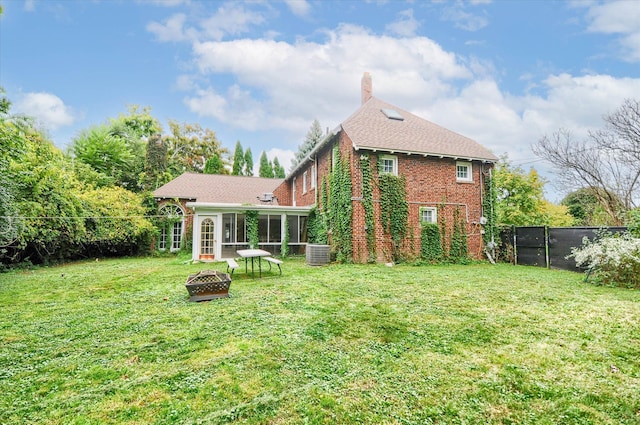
pixel 375 126
pixel 217 188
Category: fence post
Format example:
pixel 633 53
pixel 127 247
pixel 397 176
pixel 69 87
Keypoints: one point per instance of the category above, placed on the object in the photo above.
pixel 515 245
pixel 546 246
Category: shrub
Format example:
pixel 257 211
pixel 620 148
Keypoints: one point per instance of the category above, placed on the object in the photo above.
pixel 613 260
pixel 633 222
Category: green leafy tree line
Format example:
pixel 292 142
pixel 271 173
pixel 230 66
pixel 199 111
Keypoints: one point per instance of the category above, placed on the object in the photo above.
pixel 54 208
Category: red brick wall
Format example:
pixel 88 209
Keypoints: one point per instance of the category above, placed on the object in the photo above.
pixel 284 192
pixel 431 182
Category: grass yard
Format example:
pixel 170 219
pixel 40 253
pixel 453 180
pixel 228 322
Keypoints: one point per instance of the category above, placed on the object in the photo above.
pixel 117 341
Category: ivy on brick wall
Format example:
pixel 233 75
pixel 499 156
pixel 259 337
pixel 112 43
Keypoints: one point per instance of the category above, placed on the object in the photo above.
pixel 316 227
pixel 394 210
pixel 430 243
pixel 459 250
pixel 367 203
pixel 340 211
pixel 442 223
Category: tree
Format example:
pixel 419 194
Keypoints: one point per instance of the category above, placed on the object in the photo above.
pixel 607 160
pixel 313 137
pixel 248 162
pixel 214 165
pixel 238 160
pixel 47 213
pixel 278 170
pixel 189 146
pixel 155 164
pixel 117 148
pixel 104 152
pixel 266 168
pixel 520 197
pixel 586 209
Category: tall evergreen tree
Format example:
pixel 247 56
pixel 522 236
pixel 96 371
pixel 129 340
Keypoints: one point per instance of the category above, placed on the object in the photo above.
pixel 266 168
pixel 313 137
pixel 248 162
pixel 238 160
pixel 214 165
pixel 278 170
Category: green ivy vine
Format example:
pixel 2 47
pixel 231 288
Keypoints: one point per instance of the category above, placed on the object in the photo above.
pixel 252 228
pixel 340 209
pixel 430 243
pixel 459 249
pixel 316 227
pixel 394 210
pixel 367 203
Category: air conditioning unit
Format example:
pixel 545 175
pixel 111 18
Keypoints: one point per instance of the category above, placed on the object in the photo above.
pixel 266 197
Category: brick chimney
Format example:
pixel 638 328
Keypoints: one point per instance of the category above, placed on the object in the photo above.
pixel 366 87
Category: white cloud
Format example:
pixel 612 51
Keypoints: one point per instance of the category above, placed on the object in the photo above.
pixel 299 7
pixel 293 83
pixel 165 3
pixel 29 5
pixel 171 30
pixel 463 19
pixel 618 17
pixel 284 156
pixel 281 86
pixel 405 25
pixel 48 109
pixel 230 19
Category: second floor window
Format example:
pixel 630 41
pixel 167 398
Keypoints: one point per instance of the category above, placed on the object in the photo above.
pixel 388 164
pixel 463 172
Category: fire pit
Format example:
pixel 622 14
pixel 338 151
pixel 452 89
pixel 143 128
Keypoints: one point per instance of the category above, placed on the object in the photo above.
pixel 207 285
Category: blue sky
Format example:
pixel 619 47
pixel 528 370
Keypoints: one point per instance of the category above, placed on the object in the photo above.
pixel 502 72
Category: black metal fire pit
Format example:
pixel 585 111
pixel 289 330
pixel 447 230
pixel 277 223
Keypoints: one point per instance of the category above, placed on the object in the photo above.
pixel 207 285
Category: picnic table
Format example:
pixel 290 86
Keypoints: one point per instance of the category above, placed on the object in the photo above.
pixel 253 254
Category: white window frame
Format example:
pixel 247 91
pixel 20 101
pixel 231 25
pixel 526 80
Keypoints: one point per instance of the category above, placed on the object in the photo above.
pixel 304 182
pixel 293 191
pixel 469 167
pixel 394 164
pixel 434 215
pixel 171 237
pixel 313 176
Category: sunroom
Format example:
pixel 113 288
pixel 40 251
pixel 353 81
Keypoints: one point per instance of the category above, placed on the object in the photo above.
pixel 219 230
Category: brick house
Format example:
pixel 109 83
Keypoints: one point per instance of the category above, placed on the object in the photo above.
pixel 444 172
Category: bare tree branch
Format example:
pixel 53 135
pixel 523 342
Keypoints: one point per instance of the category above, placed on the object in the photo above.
pixel 607 160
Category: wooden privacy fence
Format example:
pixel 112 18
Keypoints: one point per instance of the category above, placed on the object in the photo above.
pixel 545 246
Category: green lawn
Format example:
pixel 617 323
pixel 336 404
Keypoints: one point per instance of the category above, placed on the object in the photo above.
pixel 116 341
